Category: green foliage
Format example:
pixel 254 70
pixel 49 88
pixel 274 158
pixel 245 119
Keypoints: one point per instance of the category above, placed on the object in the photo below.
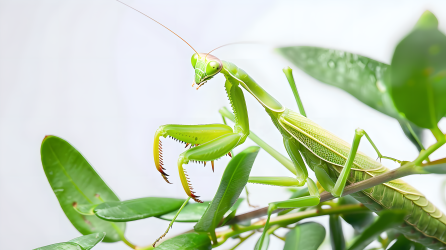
pixel 265 243
pixel 61 246
pixel 357 220
pixel 401 243
pixel 386 220
pixel 192 212
pixel 86 242
pixel 74 181
pixel 413 87
pixel 417 76
pixel 136 209
pixel 308 236
pixel 336 233
pixel 235 176
pixel 230 214
pixel 87 209
pixel 360 76
pixel 191 241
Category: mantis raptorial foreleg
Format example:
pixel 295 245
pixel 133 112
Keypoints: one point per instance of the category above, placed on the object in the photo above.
pixel 211 142
pixel 191 135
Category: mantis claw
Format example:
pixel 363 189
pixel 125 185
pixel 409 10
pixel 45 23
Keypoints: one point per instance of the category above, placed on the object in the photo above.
pixel 185 181
pixel 158 157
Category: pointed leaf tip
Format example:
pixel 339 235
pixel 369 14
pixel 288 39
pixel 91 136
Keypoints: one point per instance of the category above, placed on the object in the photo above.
pixel 66 170
pixel 427 21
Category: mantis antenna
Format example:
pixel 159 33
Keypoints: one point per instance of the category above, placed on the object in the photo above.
pixel 161 25
pixel 224 46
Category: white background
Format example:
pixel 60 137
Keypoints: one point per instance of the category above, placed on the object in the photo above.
pixel 104 77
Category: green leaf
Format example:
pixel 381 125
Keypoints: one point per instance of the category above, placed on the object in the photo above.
pixel 360 76
pixel 336 234
pixel 61 246
pixel 232 183
pixel 74 181
pixel 232 211
pixel 85 209
pixel 87 242
pixel 192 212
pixel 191 241
pixel 401 243
pixel 427 21
pixel 136 209
pixel 418 246
pixel 265 242
pixel 308 236
pixel 358 221
pixel 387 219
pixel 418 77
pixel 412 132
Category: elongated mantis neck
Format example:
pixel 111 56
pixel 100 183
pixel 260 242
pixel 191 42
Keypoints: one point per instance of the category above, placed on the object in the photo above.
pixel 234 73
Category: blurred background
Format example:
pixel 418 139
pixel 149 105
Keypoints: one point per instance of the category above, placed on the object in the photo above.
pixel 104 77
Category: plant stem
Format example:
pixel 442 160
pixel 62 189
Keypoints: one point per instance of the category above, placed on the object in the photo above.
pixel 279 237
pixel 270 150
pixel 292 218
pixel 441 140
pixel 172 221
pixel 406 169
pixel 121 235
pixel 242 240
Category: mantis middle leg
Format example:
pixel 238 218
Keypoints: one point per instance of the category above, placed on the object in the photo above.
pixel 307 201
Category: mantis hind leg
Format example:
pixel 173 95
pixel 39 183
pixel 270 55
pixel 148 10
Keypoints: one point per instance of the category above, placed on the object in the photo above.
pixel 312 200
pixel 342 179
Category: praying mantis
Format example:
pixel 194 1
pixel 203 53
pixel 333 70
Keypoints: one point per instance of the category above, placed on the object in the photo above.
pixel 335 162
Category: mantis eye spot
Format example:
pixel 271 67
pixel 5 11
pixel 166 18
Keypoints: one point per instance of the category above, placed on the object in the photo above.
pixel 194 59
pixel 212 68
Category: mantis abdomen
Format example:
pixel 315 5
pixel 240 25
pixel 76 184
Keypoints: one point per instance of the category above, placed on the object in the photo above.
pixel 324 152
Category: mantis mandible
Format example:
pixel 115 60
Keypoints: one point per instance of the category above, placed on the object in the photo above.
pixel 335 162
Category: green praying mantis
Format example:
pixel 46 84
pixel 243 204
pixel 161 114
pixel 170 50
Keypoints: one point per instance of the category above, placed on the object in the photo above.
pixel 335 162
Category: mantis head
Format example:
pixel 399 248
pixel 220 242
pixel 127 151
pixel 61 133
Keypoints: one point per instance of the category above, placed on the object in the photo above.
pixel 206 66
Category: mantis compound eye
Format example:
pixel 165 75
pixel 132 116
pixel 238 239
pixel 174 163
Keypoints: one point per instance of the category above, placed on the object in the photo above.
pixel 212 68
pixel 194 59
